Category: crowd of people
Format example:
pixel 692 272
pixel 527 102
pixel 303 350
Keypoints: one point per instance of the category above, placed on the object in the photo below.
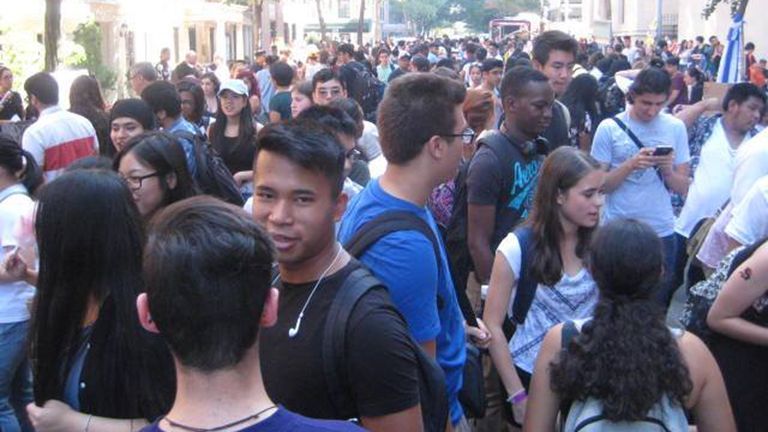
pixel 404 237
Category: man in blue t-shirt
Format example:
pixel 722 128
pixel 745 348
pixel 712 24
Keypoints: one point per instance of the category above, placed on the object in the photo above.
pixel 212 333
pixel 421 133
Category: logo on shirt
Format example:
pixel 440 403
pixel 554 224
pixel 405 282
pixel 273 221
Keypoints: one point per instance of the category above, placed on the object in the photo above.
pixel 523 186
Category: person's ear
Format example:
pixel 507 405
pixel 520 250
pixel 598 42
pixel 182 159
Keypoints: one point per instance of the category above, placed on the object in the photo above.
pixel 536 65
pixel 340 206
pixel 269 313
pixel 145 318
pixel 171 180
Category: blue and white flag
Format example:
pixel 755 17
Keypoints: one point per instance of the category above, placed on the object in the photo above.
pixel 732 64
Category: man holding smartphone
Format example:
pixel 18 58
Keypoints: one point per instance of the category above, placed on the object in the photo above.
pixel 646 154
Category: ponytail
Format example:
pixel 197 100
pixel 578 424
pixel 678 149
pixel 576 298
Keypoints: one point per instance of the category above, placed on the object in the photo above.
pixel 626 356
pixel 15 159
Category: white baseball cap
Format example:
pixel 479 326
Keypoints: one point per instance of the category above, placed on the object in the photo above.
pixel 235 86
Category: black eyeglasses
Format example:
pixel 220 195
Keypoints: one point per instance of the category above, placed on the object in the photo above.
pixel 135 182
pixel 467 136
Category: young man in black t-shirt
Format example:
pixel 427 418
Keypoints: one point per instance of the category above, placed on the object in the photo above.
pixel 500 187
pixel 299 172
pixel 554 54
pixel 208 272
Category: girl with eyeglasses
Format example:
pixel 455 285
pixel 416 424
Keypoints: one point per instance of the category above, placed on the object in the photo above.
pixel 154 167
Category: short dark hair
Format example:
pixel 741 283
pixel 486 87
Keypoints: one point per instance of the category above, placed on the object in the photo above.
pixel 207 268
pixel 741 92
pixel 415 108
pixel 749 46
pixel 420 63
pixel 491 63
pixel 517 78
pixel 309 145
pixel 481 54
pixel 324 75
pixel 162 96
pixel 353 110
pixel 553 40
pixel 282 73
pixel 673 61
pixel 346 49
pixel 331 117
pixel 145 70
pixel 650 80
pixel 44 87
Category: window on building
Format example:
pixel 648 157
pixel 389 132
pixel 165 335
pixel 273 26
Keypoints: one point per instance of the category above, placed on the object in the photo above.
pixel 176 44
pixel 192 39
pixel 212 40
pixel 344 9
pixel 248 41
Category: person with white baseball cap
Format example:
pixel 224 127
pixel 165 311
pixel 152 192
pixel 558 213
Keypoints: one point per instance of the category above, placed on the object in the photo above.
pixel 233 134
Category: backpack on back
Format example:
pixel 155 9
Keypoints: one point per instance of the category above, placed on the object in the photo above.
pixel 368 91
pixel 587 415
pixel 432 393
pixel 456 246
pixel 610 98
pixel 212 176
pixel 472 393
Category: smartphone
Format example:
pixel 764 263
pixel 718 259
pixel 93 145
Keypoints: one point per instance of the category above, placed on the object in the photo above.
pixel 662 150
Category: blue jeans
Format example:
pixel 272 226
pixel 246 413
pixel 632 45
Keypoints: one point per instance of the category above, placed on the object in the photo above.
pixel 667 285
pixel 15 377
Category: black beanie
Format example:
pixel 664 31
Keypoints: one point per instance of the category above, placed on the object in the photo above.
pixel 136 109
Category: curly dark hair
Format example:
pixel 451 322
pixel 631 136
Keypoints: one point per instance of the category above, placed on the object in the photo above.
pixel 625 356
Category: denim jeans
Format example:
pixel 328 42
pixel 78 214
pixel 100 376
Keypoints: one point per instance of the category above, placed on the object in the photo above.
pixel 667 286
pixel 15 377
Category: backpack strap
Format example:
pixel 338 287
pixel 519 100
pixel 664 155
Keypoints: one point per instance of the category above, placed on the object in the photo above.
pixel 526 283
pixel 635 140
pixel 389 222
pixel 357 284
pixel 567 333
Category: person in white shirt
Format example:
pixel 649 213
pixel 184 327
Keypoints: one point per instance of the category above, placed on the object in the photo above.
pixel 640 174
pixel 19 176
pixel 713 179
pixel 58 137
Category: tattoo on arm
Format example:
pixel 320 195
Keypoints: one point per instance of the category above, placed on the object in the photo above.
pixel 746 274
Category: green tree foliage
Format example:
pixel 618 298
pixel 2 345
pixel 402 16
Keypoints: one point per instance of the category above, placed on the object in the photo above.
pixel 736 5
pixel 422 14
pixel 477 13
pixel 88 36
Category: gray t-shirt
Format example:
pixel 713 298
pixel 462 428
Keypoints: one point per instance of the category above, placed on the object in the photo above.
pixel 642 195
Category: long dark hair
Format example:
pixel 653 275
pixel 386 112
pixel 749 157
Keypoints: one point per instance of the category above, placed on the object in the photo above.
pixel 246 132
pixel 581 99
pixel 15 159
pixel 625 356
pixel 197 95
pixel 90 242
pixel 85 99
pixel 162 152
pixel 562 170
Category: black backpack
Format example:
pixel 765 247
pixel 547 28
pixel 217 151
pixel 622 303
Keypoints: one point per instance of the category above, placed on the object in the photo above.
pixel 610 98
pixel 213 177
pixel 433 396
pixel 472 394
pixel 367 90
pixel 456 232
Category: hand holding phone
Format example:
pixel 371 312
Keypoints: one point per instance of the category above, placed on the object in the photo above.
pixel 662 150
